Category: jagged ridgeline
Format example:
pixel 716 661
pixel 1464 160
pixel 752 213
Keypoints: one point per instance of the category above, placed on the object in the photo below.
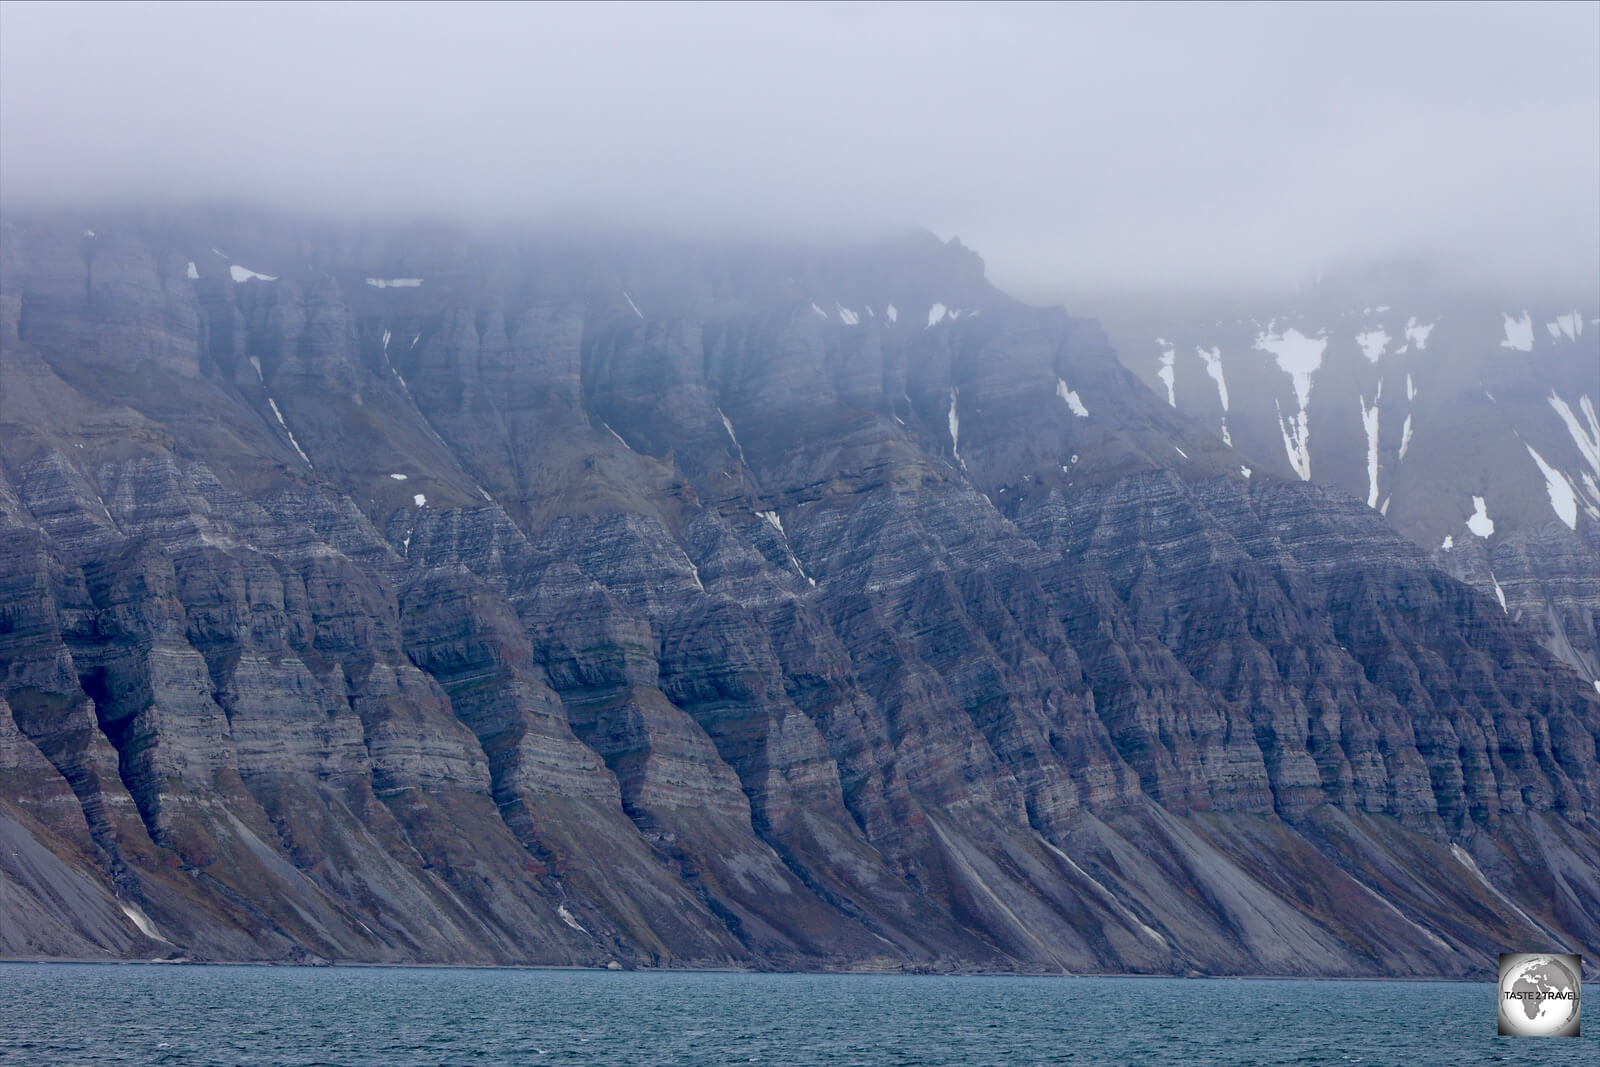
pixel 406 594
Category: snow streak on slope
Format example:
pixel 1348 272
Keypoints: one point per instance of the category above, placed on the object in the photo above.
pixel 1213 362
pixel 244 274
pixel 1167 374
pixel 1070 398
pixel 727 424
pixel 955 428
pixel 1299 357
pixel 1562 497
pixel 1586 437
pixel 285 426
pixel 1369 422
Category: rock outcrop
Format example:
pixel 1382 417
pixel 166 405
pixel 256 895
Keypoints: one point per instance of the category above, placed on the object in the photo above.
pixel 401 595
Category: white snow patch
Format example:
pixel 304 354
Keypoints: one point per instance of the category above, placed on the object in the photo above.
pixel 398 477
pixel 1499 594
pixel 1448 543
pixel 420 500
pixel 1479 522
pixel 1246 471
pixel 1416 333
pixel 727 425
pixel 244 274
pixel 286 429
pixel 1373 342
pixel 1300 357
pixel 776 523
pixel 1411 390
pixel 1180 452
pixel 1519 333
pixel 1563 499
pixel 848 317
pixel 870 313
pixel 818 310
pixel 255 362
pixel 1071 399
pixel 1369 423
pixel 1405 436
pixel 1213 362
pixel 394 283
pixel 1592 488
pixel 615 434
pixel 936 314
pixel 414 341
pixel 1569 325
pixel 954 420
pixel 1587 438
pixel 219 251
pixel 566 917
pixel 894 316
pixel 193 272
pixel 88 233
pixel 386 336
pixel 1168 375
pixel 1381 308
pixel 635 307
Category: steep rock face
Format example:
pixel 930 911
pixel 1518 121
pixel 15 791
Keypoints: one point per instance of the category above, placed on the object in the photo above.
pixel 1465 418
pixel 391 595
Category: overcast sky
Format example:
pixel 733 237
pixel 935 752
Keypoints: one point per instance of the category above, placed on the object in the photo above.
pixel 1075 147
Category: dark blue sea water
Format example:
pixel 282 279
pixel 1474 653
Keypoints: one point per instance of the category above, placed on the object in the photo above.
pixel 66 1014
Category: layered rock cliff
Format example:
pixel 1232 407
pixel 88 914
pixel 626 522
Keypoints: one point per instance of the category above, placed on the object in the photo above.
pixel 401 594
pixel 1466 419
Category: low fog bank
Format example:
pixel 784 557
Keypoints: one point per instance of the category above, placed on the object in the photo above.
pixel 1088 153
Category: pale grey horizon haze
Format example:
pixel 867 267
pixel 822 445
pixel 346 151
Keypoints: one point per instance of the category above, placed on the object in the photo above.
pixel 1078 148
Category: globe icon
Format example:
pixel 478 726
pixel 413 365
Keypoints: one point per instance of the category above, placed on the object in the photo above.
pixel 1538 997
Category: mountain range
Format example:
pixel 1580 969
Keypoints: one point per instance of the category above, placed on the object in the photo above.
pixel 410 593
